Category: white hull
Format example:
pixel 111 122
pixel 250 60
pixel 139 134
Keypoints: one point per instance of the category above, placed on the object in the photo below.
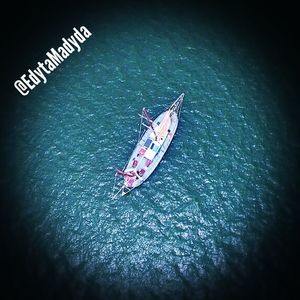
pixel 151 148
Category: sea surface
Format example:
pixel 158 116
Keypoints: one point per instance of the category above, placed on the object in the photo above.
pixel 217 193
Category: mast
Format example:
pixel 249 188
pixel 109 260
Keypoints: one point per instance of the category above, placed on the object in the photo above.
pixel 149 120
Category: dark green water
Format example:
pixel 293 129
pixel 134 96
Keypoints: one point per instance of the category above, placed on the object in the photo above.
pixel 215 195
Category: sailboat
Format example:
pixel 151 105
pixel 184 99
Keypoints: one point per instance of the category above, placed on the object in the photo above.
pixel 152 144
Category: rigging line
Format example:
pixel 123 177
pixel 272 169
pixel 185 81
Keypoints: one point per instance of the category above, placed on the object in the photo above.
pixel 179 112
pixel 140 128
pixel 114 187
pixel 126 163
pixel 138 140
pixel 115 196
pixel 163 110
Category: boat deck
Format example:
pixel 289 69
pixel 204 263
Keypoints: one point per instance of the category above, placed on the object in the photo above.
pixel 150 149
pixel 148 152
